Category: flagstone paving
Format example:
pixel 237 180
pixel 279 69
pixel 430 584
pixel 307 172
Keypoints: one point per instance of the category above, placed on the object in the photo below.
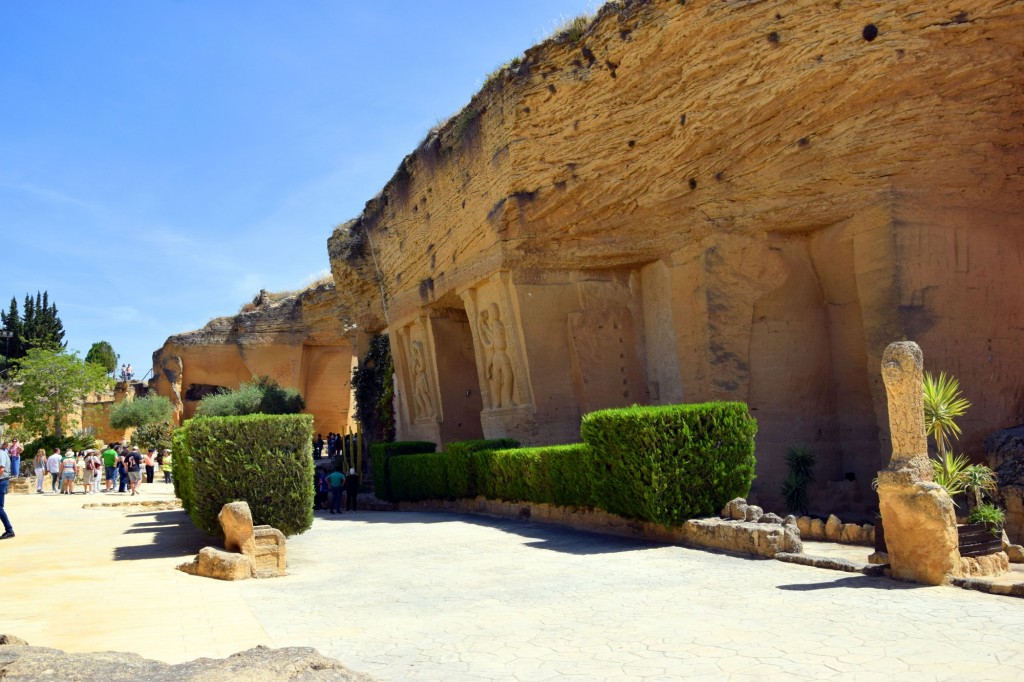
pixel 436 596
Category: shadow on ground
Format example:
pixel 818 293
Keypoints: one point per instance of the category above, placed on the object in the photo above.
pixel 856 582
pixel 174 535
pixel 540 535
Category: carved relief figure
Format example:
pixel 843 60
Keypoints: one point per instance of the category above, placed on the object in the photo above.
pixel 494 338
pixel 173 369
pixel 421 387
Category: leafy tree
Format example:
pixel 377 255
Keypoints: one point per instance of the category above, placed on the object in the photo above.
pixel 140 412
pixel 150 416
pixel 374 391
pixel 48 384
pixel 102 353
pixel 155 435
pixel 263 396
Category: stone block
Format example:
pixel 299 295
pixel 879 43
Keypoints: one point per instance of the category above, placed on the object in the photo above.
pixel 738 509
pixel 817 530
pixel 753 513
pixel 753 539
pixel 804 524
pixel 269 556
pixel 833 528
pixel 216 563
pixel 770 518
pixel 236 521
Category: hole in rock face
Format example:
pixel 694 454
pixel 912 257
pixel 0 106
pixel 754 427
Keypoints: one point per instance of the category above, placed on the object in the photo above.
pixel 870 32
pixel 773 38
pixel 682 120
pixel 632 143
pixel 804 141
pixel 693 183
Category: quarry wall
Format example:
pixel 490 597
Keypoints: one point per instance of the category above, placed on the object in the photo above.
pixel 730 200
pixel 300 340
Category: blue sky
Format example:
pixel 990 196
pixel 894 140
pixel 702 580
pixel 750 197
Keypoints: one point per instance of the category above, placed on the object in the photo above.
pixel 163 160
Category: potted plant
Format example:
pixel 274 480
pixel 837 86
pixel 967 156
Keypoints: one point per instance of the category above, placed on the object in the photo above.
pixel 943 404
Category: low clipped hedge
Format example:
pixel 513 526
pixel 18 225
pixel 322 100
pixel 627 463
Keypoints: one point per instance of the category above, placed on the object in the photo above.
pixel 265 460
pixel 663 464
pixel 380 460
pixel 671 463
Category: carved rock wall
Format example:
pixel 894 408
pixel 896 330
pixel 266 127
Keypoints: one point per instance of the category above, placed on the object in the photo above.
pixel 720 200
pixel 300 340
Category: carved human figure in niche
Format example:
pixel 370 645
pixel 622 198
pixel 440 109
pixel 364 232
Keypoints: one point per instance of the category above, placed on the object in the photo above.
pixel 494 338
pixel 421 387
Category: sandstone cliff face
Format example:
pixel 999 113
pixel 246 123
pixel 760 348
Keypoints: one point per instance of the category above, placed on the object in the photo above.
pixel 300 340
pixel 713 200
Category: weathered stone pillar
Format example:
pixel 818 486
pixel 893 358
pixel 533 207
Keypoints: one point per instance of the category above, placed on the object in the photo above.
pixel 918 515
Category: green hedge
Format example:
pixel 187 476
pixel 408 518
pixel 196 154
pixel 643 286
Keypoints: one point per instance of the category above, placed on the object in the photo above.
pixel 265 460
pixel 662 464
pixel 380 460
pixel 671 463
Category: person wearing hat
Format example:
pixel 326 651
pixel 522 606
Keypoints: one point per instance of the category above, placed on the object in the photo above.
pixel 351 490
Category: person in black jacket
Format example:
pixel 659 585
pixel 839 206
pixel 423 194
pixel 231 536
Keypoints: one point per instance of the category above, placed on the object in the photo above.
pixel 351 490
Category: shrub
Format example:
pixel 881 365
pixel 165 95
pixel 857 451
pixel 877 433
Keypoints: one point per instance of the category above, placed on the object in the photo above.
pixel 380 458
pixel 265 460
pixel 990 515
pixel 671 463
pixel 150 409
pixel 419 477
pixel 800 460
pixel 464 462
pixel 264 396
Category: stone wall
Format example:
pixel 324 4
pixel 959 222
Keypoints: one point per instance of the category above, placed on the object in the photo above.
pixel 301 340
pixel 712 201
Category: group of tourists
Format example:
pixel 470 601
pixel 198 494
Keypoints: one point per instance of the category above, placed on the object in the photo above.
pixel 335 444
pixel 117 467
pixel 330 488
pixel 127 372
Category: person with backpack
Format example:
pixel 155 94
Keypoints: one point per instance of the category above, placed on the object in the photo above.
pixel 92 468
pixel 133 465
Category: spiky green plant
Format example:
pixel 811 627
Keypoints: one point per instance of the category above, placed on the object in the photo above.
pixel 979 479
pixel 800 460
pixel 950 473
pixel 943 405
pixel 989 514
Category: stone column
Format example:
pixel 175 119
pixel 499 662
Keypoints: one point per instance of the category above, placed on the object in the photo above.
pixel 918 514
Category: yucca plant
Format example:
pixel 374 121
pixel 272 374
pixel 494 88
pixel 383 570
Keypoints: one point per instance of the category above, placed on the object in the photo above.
pixel 950 473
pixel 800 459
pixel 979 479
pixel 943 405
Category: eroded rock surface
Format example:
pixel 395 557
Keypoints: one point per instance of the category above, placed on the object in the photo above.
pixel 23 663
pixel 300 339
pixel 711 201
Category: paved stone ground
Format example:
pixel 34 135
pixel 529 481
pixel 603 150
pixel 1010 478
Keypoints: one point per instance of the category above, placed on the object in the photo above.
pixel 435 596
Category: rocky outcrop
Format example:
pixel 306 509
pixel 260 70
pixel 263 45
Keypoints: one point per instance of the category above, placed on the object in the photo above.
pixel 302 340
pixel 1005 453
pixel 711 201
pixel 22 663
